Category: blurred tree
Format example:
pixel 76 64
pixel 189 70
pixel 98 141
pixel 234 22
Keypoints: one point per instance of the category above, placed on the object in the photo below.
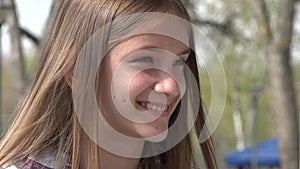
pixel 244 65
pixel 276 44
pixel 236 107
pixel 36 40
pixel 224 29
pixel 17 58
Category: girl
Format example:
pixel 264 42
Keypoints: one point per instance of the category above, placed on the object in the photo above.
pixel 141 87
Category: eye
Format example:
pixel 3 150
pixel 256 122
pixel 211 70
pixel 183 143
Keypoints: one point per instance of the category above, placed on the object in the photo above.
pixel 146 59
pixel 179 62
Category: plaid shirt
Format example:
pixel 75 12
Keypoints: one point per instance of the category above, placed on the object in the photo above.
pixel 46 160
pixel 31 164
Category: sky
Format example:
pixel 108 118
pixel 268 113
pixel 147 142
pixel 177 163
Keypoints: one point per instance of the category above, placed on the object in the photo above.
pixel 32 16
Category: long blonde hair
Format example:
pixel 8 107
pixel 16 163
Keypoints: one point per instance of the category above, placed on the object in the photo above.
pixel 46 119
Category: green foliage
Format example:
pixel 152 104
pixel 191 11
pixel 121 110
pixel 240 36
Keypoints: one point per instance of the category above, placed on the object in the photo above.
pixel 9 100
pixel 30 63
pixel 296 73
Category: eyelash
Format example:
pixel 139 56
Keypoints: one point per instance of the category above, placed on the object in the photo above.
pixel 145 59
pixel 148 59
pixel 179 62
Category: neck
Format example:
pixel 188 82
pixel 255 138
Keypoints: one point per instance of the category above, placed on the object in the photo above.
pixel 106 159
pixel 111 161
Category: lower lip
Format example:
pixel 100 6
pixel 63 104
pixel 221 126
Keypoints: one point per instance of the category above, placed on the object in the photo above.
pixel 160 114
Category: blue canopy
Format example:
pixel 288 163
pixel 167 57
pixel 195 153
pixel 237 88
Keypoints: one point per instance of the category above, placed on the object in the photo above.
pixel 265 153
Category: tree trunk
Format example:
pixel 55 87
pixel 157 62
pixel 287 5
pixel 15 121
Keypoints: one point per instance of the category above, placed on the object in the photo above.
pixel 1 96
pixel 284 105
pixel 237 119
pixel 281 81
pixel 17 58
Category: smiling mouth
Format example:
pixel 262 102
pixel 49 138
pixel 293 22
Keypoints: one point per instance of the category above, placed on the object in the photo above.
pixel 156 109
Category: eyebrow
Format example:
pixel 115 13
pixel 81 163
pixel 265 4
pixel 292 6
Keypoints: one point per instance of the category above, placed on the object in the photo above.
pixel 153 48
pixel 186 51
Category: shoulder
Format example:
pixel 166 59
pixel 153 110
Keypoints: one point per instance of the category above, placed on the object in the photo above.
pixel 45 160
pixel 28 164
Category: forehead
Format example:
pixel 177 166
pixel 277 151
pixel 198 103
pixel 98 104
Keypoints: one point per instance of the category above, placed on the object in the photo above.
pixel 164 24
pixel 152 41
pixel 149 30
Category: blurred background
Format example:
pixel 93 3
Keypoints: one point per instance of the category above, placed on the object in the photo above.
pixel 258 43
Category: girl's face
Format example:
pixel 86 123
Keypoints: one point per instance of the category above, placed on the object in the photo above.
pixel 141 83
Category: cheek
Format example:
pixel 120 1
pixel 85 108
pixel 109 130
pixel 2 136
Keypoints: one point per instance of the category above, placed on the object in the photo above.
pixel 140 85
pixel 181 82
pixel 180 79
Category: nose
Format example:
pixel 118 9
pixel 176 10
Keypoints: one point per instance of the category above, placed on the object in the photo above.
pixel 167 85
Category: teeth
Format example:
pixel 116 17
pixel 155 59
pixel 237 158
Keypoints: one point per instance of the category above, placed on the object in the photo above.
pixel 153 107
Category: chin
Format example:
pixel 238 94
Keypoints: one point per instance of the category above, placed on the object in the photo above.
pixel 153 132
pixel 158 138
